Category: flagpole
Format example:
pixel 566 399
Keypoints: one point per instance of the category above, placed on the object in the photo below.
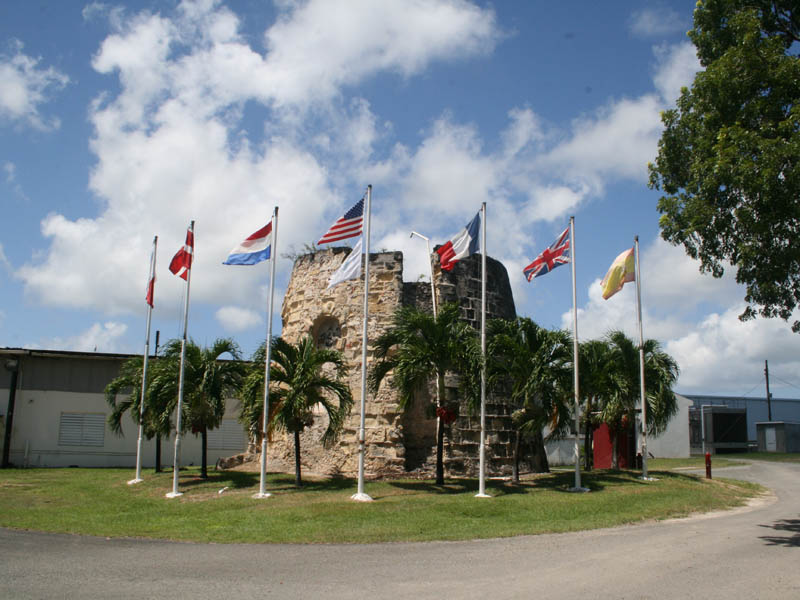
pixel 273 255
pixel 575 361
pixel 482 454
pixel 642 395
pixel 176 457
pixel 361 495
pixel 138 478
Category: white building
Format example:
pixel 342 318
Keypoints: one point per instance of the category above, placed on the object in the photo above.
pixel 674 442
pixel 60 412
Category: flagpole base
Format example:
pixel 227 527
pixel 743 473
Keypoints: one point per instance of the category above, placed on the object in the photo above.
pixel 174 494
pixel 362 497
pixel 647 478
pixel 481 495
pixel 260 495
pixel 579 490
pixel 135 481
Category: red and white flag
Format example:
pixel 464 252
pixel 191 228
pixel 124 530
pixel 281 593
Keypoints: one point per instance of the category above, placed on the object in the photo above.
pixel 151 282
pixel 462 245
pixel 182 261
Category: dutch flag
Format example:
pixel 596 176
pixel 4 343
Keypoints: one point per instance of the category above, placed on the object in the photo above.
pixel 253 250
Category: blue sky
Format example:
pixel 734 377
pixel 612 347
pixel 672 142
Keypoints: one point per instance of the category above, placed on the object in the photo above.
pixel 121 121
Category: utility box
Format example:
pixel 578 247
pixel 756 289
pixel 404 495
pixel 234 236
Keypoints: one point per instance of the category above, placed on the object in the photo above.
pixel 778 436
pixel 723 429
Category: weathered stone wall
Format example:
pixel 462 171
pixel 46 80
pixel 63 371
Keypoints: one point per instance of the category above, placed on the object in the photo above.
pixel 462 285
pixel 396 442
pixel 335 319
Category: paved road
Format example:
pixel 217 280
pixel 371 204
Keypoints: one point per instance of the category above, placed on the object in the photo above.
pixel 749 553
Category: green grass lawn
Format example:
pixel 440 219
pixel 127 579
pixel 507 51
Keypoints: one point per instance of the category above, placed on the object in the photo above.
pixel 720 461
pixel 99 502
pixel 773 456
pixel 695 462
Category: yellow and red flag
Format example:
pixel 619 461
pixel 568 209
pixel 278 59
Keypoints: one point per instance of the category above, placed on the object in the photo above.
pixel 622 270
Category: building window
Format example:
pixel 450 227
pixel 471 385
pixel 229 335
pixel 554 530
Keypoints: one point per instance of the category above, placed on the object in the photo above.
pixel 228 436
pixel 82 429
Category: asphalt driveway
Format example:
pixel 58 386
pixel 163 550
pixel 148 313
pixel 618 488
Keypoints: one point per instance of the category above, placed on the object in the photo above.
pixel 746 553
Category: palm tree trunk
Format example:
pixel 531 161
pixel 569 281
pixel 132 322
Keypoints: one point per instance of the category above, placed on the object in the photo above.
pixel 588 451
pixel 204 442
pixel 297 481
pixel 540 464
pixel 158 454
pixel 515 465
pixel 614 453
pixel 440 433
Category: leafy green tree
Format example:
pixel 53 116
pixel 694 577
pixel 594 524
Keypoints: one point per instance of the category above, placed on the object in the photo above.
pixel 729 157
pixel 536 363
pixel 302 376
pixel 129 383
pixel 595 385
pixel 420 347
pixel 208 381
pixel 660 374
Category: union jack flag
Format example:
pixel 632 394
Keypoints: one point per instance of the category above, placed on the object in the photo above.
pixel 554 256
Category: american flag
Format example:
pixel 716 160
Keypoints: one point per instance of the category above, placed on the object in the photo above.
pixel 556 255
pixel 347 226
pixel 182 261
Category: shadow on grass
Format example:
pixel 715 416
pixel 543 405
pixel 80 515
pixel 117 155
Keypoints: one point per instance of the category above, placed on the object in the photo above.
pixel 555 481
pixel 790 525
pixel 231 479
pixel 558 481
pixel 285 482
pixel 275 481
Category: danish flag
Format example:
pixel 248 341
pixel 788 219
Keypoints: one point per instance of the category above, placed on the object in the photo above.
pixel 182 261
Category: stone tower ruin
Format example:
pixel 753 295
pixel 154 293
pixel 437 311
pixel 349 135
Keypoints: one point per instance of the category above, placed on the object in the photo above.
pixel 397 443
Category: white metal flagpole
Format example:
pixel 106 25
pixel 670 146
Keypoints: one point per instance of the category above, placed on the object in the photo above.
pixel 482 453
pixel 361 495
pixel 642 394
pixel 138 478
pixel 273 256
pixel 575 354
pixel 177 455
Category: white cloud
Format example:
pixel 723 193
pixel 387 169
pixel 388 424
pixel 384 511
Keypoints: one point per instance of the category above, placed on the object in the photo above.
pixel 676 68
pixel 171 145
pixel 613 143
pixel 695 317
pixel 24 86
pixel 316 48
pixel 656 21
pixel 10 170
pixel 672 280
pixel 3 259
pixel 100 337
pixel 236 318
pixel 727 355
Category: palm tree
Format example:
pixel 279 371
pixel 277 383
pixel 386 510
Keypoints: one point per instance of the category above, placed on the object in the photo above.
pixel 208 381
pixel 536 363
pixel 595 384
pixel 419 347
pixel 661 373
pixel 304 376
pixel 129 382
